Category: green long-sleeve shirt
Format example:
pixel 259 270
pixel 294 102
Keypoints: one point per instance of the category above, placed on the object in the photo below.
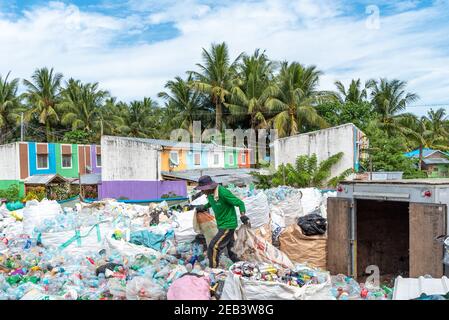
pixel 224 208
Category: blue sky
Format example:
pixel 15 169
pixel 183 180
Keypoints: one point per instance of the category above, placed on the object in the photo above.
pixel 132 47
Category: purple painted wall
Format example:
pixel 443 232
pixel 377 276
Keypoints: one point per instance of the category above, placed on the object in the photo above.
pixel 141 190
pixel 93 157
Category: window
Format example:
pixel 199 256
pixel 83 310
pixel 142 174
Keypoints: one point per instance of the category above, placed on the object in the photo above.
pixel 197 158
pixel 42 161
pixel 66 161
pixel 174 158
pixel 98 160
pixel 243 158
pixel 216 159
pixel 231 159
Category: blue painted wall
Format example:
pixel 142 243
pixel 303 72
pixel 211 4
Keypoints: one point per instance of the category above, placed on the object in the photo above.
pixel 191 160
pixel 33 159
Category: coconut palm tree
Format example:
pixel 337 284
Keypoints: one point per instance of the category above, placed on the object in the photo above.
pixel 183 103
pixel 140 120
pixel 355 93
pixel 42 95
pixel 419 133
pixel 252 90
pixel 389 100
pixel 10 105
pixel 215 77
pixel 438 124
pixel 113 116
pixel 81 106
pixel 295 98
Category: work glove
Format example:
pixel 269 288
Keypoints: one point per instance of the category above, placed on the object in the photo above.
pixel 200 208
pixel 245 220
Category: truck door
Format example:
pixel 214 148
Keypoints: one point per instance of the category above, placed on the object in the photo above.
pixel 427 221
pixel 338 239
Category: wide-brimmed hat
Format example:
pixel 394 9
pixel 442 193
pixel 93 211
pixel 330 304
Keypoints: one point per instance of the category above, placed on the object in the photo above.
pixel 206 183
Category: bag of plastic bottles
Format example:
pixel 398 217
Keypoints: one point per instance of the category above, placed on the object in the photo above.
pixel 140 288
pixel 257 210
pixel 204 223
pixel 249 247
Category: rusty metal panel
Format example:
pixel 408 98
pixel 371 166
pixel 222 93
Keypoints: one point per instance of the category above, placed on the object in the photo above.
pixel 427 221
pixel 338 219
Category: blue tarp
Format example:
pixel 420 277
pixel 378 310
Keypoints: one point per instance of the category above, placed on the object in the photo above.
pixel 150 239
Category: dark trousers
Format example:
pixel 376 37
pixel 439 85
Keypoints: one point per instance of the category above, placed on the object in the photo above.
pixel 224 239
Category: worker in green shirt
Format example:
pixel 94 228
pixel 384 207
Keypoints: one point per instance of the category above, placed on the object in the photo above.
pixel 223 202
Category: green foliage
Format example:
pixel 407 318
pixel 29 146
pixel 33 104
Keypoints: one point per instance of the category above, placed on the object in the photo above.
pixel 61 192
pixel 337 113
pixel 250 91
pixel 262 181
pixel 170 194
pixel 306 172
pixel 77 137
pixel 11 194
pixel 90 192
pixel 387 153
pixel 35 193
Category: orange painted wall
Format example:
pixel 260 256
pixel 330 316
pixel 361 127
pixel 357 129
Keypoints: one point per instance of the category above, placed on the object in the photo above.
pixel 247 163
pixel 165 158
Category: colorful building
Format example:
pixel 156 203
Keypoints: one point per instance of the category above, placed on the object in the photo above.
pixel 434 162
pixel 20 160
pixel 127 168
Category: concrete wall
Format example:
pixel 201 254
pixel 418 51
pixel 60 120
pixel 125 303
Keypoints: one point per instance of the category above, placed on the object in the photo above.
pixel 324 143
pixel 210 158
pixel 129 160
pixel 9 162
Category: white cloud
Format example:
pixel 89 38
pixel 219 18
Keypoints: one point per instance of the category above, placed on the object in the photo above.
pixel 81 44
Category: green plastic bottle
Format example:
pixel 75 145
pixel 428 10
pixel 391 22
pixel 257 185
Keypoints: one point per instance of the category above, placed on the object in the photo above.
pixel 14 279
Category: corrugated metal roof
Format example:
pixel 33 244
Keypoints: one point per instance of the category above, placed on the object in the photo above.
pixel 45 179
pixel 89 179
pixel 425 153
pixel 183 145
pixel 223 176
pixel 412 288
pixel 436 161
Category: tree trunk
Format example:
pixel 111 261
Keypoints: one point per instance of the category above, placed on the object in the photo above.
pixel 48 130
pixel 420 157
pixel 218 116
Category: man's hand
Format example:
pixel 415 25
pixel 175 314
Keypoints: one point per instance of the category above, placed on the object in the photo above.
pixel 245 220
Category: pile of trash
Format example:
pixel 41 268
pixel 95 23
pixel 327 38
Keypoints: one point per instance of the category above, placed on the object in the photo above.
pixel 108 250
pixel 346 288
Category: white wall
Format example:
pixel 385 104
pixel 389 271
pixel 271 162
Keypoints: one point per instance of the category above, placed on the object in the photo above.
pixel 129 159
pixel 210 158
pixel 324 143
pixel 9 162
